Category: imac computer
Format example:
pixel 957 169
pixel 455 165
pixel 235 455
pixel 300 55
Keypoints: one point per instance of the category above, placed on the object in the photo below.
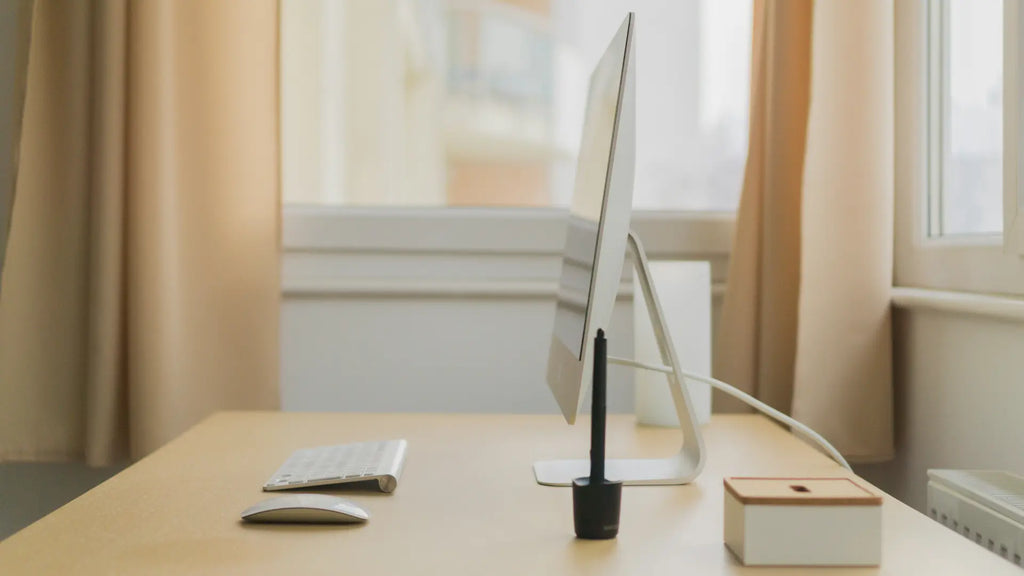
pixel 596 243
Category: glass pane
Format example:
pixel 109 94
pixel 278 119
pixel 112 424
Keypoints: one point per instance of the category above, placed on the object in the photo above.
pixel 972 193
pixel 480 102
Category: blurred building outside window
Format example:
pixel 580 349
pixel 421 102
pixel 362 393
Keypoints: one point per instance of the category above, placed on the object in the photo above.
pixel 480 102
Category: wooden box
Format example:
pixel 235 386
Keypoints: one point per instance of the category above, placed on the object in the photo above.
pixel 803 522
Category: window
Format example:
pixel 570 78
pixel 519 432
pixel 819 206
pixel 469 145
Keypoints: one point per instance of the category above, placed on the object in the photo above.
pixel 956 145
pixel 966 84
pixel 479 102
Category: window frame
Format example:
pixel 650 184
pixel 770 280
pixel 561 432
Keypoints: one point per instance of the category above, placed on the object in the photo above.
pixel 978 263
pixel 1013 128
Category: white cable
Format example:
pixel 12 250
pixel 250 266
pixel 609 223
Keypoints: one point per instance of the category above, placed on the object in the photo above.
pixel 744 397
pixel 768 410
pixel 638 364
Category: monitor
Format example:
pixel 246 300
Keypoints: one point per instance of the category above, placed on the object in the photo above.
pixel 595 243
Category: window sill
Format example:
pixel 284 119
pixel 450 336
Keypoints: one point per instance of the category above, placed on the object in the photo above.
pixel 467 252
pixel 667 235
pixel 987 306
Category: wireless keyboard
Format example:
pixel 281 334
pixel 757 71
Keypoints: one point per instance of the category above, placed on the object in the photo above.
pixel 342 464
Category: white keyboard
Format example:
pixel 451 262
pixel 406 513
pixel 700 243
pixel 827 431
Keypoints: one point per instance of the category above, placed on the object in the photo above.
pixel 342 464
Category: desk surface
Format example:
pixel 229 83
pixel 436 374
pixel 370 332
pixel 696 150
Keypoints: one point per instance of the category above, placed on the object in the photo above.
pixel 466 504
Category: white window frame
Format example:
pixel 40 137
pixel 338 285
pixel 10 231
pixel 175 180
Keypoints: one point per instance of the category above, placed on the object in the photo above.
pixel 1013 127
pixel 982 263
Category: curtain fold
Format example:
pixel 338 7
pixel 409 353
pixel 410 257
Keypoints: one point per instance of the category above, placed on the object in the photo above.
pixel 758 326
pixel 844 360
pixel 805 324
pixel 15 31
pixel 142 289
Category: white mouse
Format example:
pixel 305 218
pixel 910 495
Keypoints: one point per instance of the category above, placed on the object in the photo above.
pixel 306 509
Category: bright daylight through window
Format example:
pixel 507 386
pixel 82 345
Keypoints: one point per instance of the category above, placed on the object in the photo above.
pixel 967 121
pixel 480 102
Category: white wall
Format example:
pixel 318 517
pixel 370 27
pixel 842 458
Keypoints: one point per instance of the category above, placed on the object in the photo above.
pixel 451 310
pixel 429 353
pixel 959 398
pixel 427 311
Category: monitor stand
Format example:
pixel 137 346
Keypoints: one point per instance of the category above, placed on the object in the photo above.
pixel 680 468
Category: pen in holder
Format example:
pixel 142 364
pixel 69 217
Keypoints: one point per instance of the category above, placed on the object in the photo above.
pixel 596 500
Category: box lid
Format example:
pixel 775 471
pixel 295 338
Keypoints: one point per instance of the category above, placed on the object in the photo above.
pixel 801 492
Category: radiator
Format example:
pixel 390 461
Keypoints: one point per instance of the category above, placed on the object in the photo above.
pixel 985 506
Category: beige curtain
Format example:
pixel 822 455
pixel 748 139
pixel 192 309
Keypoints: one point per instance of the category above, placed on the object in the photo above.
pixel 15 30
pixel 141 289
pixel 805 324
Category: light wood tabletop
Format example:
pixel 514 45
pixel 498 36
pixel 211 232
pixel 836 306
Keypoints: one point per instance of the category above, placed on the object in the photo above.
pixel 466 504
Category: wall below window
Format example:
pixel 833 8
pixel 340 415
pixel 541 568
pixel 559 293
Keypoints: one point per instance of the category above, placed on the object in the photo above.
pixel 450 310
pixel 959 397
pixel 423 352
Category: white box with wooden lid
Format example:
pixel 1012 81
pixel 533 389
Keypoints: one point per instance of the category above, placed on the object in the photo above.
pixel 803 522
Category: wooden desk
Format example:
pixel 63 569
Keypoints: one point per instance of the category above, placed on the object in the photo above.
pixel 466 504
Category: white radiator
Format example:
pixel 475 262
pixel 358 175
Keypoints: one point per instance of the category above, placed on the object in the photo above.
pixel 986 506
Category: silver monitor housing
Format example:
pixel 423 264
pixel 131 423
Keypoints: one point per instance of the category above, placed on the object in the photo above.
pixel 596 242
pixel 598 223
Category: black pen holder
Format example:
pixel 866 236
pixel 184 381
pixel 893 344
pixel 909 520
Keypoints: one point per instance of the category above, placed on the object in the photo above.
pixel 595 508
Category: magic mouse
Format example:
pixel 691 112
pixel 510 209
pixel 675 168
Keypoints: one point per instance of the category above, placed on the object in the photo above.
pixel 306 509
